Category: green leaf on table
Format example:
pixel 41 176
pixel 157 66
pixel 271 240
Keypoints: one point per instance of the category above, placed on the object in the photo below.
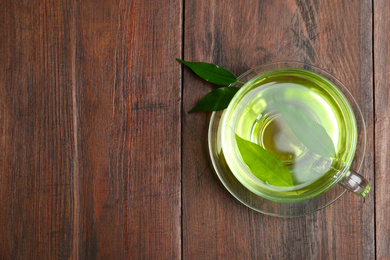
pixel 216 100
pixel 263 164
pixel 210 72
pixel 309 132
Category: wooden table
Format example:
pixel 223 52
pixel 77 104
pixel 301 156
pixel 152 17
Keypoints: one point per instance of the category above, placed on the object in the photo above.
pixel 99 158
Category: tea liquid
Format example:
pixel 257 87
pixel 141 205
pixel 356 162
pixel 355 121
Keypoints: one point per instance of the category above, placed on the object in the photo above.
pixel 254 117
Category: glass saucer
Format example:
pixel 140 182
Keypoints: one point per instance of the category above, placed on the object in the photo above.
pixel 258 203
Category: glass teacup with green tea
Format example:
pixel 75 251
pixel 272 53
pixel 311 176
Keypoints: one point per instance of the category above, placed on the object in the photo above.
pixel 289 134
pixel 302 119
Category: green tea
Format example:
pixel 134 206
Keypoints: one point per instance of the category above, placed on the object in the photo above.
pixel 253 115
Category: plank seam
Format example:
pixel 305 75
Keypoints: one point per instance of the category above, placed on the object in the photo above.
pixel 76 185
pixel 181 133
pixel 374 112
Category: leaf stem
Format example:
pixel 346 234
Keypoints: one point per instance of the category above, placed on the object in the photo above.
pixel 240 82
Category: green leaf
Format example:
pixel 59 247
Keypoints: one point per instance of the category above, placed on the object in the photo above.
pixel 216 100
pixel 210 72
pixel 309 132
pixel 263 164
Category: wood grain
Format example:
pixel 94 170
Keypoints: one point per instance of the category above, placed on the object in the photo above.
pixel 37 131
pixel 128 90
pixel 93 161
pixel 382 125
pixel 237 36
pixel 89 141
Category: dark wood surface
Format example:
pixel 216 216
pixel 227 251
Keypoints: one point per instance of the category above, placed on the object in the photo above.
pixel 382 126
pixel 336 37
pixel 90 129
pixel 100 160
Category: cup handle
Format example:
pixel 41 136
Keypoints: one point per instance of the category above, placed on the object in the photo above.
pixel 356 183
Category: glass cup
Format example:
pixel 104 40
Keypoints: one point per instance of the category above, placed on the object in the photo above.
pixel 253 115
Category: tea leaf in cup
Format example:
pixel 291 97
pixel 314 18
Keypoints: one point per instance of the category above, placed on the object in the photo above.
pixel 216 100
pixel 211 72
pixel 263 164
pixel 309 132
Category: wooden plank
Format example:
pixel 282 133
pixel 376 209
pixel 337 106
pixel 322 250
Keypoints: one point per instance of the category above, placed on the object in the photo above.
pixel 128 97
pixel 37 131
pixel 330 34
pixel 90 149
pixel 382 124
